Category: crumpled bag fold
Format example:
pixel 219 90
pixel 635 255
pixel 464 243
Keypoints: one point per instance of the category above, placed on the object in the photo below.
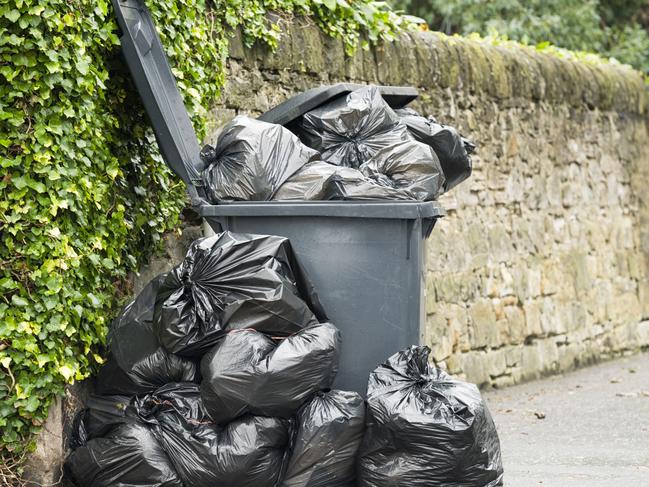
pixel 320 180
pixel 249 373
pixel 361 131
pixel 425 428
pixel 138 363
pixel 328 432
pixel 453 150
pixel 128 455
pixel 233 281
pixel 250 451
pixel 252 159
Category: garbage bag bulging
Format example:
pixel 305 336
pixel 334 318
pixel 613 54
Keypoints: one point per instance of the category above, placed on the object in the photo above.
pixel 101 414
pixel 361 131
pixel 233 281
pixel 137 362
pixel 426 428
pixel 252 159
pixel 328 432
pixel 248 452
pixel 248 373
pixel 320 180
pixel 451 148
pixel 129 455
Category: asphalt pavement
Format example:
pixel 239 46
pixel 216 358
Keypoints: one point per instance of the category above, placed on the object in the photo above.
pixel 588 428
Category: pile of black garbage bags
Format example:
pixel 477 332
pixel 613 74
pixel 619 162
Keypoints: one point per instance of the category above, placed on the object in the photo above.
pixel 220 374
pixel 353 148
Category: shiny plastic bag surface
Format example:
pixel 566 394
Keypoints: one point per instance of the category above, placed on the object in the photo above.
pixel 128 455
pixel 362 131
pixel 425 428
pixel 249 373
pixel 248 452
pixel 451 148
pixel 328 432
pixel 252 159
pixel 138 363
pixel 320 180
pixel 233 281
pixel 100 415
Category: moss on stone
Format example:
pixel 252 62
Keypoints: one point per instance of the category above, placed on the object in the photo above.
pixel 427 59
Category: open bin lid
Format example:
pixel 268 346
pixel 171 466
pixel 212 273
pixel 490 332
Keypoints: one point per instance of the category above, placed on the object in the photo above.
pixel 156 84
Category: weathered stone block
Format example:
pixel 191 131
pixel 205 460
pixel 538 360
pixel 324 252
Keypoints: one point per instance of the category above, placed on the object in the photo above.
pixel 532 319
pixel 496 363
pixel 548 355
pixel 474 368
pixel 551 278
pixel 643 297
pixel 483 331
pixel 643 334
pixel 531 365
pixel 569 356
pixel 439 337
pixel 516 324
pixel 624 308
pixel 553 321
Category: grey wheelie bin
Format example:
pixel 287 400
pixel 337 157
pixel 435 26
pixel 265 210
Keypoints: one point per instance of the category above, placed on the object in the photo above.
pixel 365 259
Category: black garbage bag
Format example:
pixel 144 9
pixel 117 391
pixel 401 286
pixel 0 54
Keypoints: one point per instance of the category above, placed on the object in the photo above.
pixel 128 455
pixel 251 160
pixel 451 148
pixel 328 432
pixel 320 180
pixel 362 131
pixel 407 167
pixel 231 281
pixel 100 415
pixel 249 373
pixel 425 428
pixel 138 363
pixel 248 452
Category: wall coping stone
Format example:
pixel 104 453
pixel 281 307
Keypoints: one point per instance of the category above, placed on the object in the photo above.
pixel 423 59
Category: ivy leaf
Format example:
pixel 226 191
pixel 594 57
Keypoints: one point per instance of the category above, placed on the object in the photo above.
pixel 83 66
pixel 66 372
pixel 18 301
pixel 13 15
pixel 94 301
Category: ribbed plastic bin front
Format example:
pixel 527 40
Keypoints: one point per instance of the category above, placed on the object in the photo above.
pixel 366 262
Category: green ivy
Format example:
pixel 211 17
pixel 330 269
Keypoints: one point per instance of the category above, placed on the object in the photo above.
pixel 84 194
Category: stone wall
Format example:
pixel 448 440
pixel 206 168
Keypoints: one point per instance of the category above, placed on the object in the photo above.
pixel 541 264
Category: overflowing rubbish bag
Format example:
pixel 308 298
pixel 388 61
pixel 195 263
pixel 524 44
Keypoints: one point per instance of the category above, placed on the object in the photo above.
pixel 100 415
pixel 252 159
pixel 425 428
pixel 248 452
pixel 250 373
pixel 320 180
pixel 233 281
pixel 453 150
pixel 328 432
pixel 167 438
pixel 137 362
pixel 361 131
pixel 127 455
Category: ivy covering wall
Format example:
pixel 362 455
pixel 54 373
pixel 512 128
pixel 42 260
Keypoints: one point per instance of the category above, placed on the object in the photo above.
pixel 84 196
